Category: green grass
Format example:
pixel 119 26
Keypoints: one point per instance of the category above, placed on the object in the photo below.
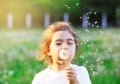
pixel 99 52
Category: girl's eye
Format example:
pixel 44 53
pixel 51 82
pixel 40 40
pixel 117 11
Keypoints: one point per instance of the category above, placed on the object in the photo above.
pixel 70 43
pixel 58 44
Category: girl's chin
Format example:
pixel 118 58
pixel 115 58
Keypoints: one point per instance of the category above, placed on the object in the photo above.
pixel 61 62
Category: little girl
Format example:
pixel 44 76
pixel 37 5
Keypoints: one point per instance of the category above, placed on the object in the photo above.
pixel 59 41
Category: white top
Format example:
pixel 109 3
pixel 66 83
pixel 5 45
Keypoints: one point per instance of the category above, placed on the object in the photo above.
pixel 49 76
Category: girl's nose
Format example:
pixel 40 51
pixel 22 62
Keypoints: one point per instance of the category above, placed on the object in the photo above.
pixel 65 46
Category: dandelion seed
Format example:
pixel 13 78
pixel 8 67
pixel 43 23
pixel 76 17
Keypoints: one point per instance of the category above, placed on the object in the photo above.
pixel 89 53
pixel 86 21
pixel 101 35
pixel 89 23
pixel 86 62
pixel 92 25
pixel 95 54
pixel 87 30
pixel 88 17
pixel 95 13
pixel 91 69
pixel 87 13
pixel 98 59
pixel 97 49
pixel 77 4
pixel 90 12
pixel 97 26
pixel 5 71
pixel 85 42
pixel 81 56
pixel 81 17
pixel 88 45
pixel 94 73
pixel 81 43
pixel 6 82
pixel 65 5
pixel 95 22
pixel 11 72
pixel 110 49
pixel 101 32
pixel 68 7
pixel 4 76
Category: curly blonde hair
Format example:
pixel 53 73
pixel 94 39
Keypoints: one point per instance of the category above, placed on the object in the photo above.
pixel 47 37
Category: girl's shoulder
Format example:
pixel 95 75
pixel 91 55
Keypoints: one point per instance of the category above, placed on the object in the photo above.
pixel 40 76
pixel 76 67
pixel 43 72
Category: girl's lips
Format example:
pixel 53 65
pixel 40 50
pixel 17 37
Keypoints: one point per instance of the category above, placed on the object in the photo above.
pixel 64 54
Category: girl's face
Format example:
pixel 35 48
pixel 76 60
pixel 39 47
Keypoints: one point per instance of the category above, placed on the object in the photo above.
pixel 62 40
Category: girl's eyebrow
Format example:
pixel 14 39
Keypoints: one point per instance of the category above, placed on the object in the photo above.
pixel 70 39
pixel 60 40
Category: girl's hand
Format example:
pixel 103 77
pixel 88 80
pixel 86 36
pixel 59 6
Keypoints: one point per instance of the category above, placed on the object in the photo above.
pixel 71 75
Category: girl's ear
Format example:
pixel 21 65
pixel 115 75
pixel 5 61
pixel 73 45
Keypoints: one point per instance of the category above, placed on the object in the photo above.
pixel 48 52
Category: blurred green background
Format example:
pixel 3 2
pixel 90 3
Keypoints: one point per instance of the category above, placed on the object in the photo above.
pixel 99 50
pixel 99 53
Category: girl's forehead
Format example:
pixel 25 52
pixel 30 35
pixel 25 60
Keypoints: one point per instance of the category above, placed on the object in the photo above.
pixel 62 35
